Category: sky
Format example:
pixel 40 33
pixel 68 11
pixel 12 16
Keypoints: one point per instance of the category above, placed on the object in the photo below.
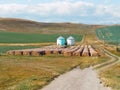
pixel 75 11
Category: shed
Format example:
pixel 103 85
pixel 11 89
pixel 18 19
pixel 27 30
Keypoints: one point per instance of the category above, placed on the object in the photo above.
pixel 61 41
pixel 70 41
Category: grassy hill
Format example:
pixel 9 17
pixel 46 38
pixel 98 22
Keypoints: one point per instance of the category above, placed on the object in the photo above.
pixel 21 25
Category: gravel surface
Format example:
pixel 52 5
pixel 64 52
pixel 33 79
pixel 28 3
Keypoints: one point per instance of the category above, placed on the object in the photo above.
pixel 77 79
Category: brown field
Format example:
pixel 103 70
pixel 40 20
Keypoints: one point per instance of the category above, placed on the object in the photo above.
pixel 31 73
pixel 21 25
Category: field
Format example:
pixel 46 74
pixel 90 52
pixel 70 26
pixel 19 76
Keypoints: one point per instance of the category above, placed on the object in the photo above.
pixel 111 77
pixel 110 35
pixel 31 73
pixel 15 37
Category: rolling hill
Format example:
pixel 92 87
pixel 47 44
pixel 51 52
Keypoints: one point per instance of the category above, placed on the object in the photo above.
pixel 21 25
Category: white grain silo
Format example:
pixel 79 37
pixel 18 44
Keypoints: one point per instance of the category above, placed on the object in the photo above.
pixel 61 41
pixel 70 41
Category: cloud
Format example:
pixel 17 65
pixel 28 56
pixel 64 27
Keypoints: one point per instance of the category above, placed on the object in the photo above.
pixel 57 8
pixel 111 10
pixel 11 8
pixel 64 9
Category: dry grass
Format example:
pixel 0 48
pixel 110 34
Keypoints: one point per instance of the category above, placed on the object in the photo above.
pixel 111 77
pixel 20 25
pixel 112 49
pixel 31 73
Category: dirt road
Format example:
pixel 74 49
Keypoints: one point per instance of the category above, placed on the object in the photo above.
pixel 86 79
pixel 77 79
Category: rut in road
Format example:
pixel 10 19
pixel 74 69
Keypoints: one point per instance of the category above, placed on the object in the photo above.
pixel 77 79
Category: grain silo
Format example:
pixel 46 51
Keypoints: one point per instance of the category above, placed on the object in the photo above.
pixel 61 41
pixel 70 41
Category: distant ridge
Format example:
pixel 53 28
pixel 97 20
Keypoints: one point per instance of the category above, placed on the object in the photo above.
pixel 29 26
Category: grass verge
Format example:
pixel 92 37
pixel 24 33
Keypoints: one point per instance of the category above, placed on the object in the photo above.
pixel 111 77
pixel 31 73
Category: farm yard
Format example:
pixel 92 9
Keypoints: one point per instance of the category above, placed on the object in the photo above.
pixel 31 60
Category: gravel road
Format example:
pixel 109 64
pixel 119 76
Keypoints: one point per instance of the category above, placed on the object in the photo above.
pixel 77 79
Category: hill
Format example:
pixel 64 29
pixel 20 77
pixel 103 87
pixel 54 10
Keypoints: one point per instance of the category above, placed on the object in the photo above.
pixel 109 34
pixel 21 25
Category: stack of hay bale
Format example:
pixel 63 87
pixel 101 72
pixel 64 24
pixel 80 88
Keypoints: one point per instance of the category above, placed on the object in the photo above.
pixel 92 52
pixel 79 51
pixel 85 51
pixel 70 51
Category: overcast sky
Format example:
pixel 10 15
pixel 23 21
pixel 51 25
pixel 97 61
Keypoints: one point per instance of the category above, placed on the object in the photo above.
pixel 79 11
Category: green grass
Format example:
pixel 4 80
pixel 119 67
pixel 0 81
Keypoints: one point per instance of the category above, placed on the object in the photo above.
pixel 32 73
pixel 111 77
pixel 15 37
pixel 109 34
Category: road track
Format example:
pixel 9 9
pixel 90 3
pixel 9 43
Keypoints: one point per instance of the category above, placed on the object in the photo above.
pixel 86 79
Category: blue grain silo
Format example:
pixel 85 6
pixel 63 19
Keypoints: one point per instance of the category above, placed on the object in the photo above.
pixel 61 41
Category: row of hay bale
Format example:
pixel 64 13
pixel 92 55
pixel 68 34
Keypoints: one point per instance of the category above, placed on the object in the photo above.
pixel 79 51
pixel 83 50
pixel 26 52
pixel 70 51
pixel 37 51
pixel 92 51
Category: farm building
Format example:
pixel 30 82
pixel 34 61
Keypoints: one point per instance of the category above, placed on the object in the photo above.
pixel 61 41
pixel 70 41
